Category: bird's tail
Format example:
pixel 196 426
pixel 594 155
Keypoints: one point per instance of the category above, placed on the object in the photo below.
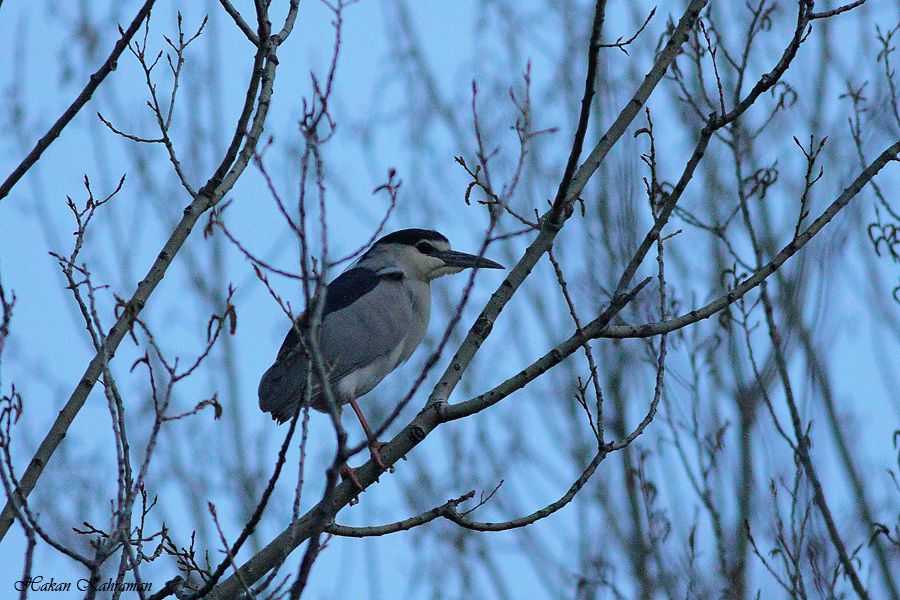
pixel 280 390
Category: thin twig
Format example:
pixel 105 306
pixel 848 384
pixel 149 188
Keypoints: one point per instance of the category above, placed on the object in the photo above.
pixel 108 66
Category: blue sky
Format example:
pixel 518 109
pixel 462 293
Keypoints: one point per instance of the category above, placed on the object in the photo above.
pixel 48 350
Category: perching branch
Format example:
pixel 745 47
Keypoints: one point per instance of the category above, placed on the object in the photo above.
pixel 277 550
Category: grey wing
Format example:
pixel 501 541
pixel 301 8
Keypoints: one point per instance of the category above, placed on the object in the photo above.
pixel 353 337
pixel 370 328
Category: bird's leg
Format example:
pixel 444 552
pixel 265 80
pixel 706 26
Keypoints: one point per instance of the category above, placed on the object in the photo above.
pixel 348 472
pixel 374 444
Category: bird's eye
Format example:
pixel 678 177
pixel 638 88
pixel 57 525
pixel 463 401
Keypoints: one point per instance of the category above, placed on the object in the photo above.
pixel 425 248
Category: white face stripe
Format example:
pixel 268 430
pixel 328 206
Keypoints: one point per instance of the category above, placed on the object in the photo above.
pixel 437 266
pixel 408 260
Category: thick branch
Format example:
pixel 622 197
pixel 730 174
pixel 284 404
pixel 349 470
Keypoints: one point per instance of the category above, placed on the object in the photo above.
pixel 452 412
pixel 278 549
pixel 549 229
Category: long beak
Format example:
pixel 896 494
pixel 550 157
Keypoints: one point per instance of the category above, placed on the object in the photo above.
pixel 461 260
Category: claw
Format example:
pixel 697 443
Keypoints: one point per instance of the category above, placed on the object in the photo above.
pixel 348 472
pixel 374 447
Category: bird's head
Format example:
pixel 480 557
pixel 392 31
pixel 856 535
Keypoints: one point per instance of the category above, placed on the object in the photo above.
pixel 420 254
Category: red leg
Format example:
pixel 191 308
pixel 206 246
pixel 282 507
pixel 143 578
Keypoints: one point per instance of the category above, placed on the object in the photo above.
pixel 374 444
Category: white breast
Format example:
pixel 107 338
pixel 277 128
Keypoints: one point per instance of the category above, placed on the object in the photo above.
pixel 362 381
pixel 420 296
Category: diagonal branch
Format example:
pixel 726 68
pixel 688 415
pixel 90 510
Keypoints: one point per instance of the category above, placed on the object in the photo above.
pixel 94 82
pixel 460 410
pixel 653 329
pixel 433 414
pixel 243 145
pixel 559 203
pixel 240 22
pixel 549 228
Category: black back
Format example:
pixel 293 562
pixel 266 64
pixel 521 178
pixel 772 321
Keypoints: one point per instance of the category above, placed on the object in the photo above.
pixel 353 284
pixel 347 288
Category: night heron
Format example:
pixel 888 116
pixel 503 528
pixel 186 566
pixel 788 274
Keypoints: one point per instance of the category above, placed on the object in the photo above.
pixel 375 315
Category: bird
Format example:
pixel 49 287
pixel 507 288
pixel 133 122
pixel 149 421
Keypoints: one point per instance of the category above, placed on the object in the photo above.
pixel 374 317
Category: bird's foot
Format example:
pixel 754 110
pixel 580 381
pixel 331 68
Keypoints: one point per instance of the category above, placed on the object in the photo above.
pixel 374 447
pixel 348 472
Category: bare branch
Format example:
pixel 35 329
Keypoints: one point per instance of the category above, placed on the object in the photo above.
pixel 654 329
pixel 55 130
pixel 404 525
pixel 235 160
pixel 836 11
pixel 240 22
